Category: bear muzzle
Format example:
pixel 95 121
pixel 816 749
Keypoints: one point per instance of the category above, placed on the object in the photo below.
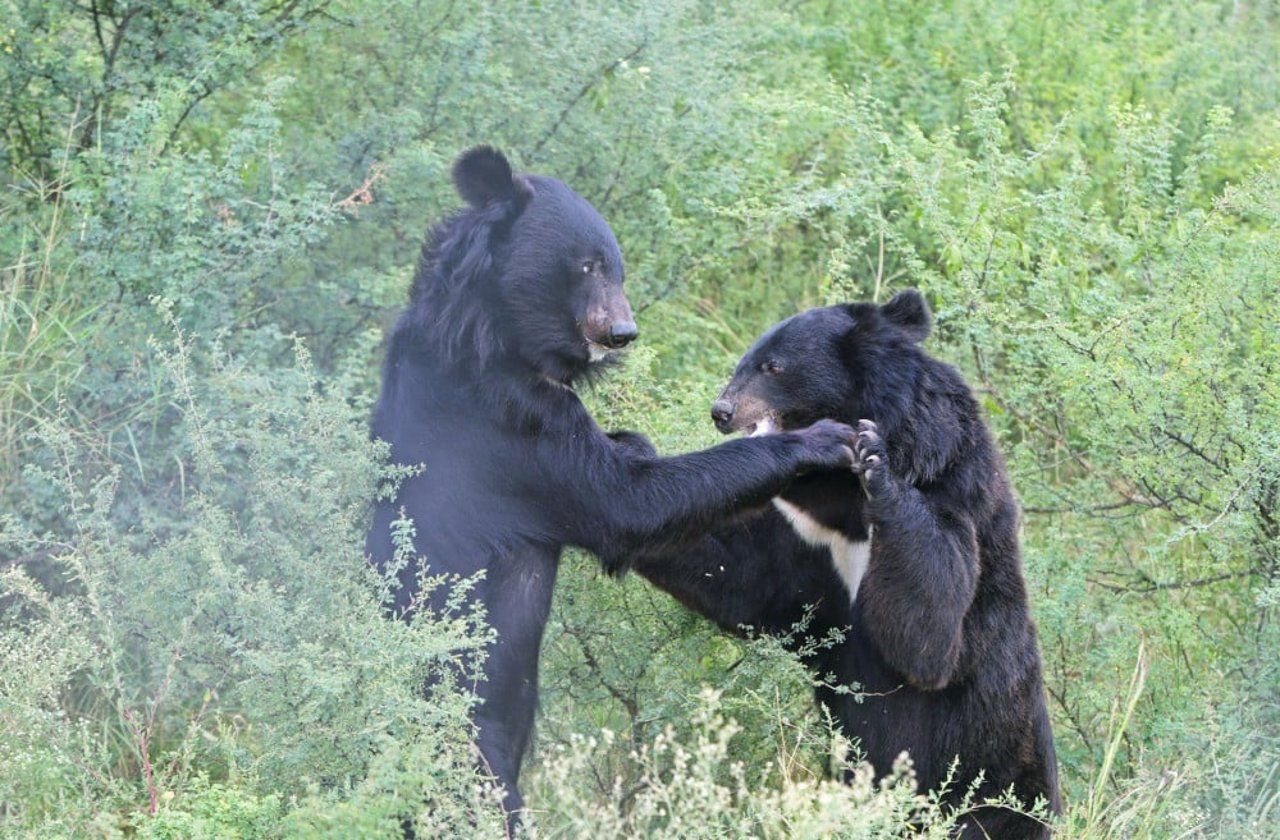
pixel 609 324
pixel 748 416
pixel 621 334
pixel 722 415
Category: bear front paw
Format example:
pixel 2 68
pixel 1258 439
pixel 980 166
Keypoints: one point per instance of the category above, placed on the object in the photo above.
pixel 830 445
pixel 871 459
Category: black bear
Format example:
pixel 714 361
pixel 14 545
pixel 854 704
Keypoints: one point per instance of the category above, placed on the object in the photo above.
pixel 515 299
pixel 915 552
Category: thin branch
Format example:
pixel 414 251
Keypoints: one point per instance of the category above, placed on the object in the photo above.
pixel 1125 503
pixel 582 92
pixel 1191 447
pixel 1123 489
pixel 1151 585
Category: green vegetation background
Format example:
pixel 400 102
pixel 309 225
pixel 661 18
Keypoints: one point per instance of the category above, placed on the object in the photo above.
pixel 211 211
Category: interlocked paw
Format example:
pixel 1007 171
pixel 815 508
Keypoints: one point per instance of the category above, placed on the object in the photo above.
pixel 831 444
pixel 871 457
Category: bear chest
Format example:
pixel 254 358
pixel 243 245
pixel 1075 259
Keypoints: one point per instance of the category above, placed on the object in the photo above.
pixel 849 556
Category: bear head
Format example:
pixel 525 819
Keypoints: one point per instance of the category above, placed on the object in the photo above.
pixel 845 362
pixel 528 275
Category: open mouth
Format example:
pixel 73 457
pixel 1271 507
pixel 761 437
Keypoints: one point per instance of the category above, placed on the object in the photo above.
pixel 763 426
pixel 596 351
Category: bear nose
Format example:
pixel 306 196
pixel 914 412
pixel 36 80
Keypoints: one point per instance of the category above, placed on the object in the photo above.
pixel 622 334
pixel 722 414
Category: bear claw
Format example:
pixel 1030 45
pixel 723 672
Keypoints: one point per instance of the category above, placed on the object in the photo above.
pixel 869 454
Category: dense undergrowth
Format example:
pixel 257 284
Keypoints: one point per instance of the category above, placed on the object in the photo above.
pixel 210 212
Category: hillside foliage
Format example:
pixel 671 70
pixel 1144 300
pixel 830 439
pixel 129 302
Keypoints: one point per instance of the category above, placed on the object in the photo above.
pixel 210 214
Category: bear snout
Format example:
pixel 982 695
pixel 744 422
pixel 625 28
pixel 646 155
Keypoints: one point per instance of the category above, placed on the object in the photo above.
pixel 621 334
pixel 609 322
pixel 722 415
pixel 744 413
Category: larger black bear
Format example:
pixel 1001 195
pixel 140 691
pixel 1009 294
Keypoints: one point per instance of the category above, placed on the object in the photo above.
pixel 915 552
pixel 516 298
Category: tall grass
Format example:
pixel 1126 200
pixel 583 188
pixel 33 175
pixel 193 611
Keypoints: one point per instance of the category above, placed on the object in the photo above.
pixel 45 326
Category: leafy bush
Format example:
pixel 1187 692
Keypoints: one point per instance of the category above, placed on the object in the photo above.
pixel 190 642
pixel 244 640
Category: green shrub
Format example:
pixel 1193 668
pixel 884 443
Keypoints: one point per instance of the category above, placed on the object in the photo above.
pixel 244 640
pixel 190 641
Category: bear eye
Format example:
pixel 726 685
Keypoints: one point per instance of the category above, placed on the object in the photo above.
pixel 588 266
pixel 772 367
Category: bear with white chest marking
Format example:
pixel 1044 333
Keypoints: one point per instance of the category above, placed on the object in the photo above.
pixel 519 297
pixel 915 552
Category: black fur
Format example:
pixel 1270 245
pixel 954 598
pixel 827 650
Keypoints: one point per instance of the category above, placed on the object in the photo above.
pixel 940 635
pixel 509 298
pixel 482 175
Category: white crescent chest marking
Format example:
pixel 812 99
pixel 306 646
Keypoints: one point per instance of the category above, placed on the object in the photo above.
pixel 849 558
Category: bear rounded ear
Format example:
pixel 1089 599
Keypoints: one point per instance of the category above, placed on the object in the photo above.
pixel 908 311
pixel 482 175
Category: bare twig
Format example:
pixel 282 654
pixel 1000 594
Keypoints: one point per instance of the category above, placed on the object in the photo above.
pixel 582 92
pixel 1150 585
pixel 1125 490
pixel 363 194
